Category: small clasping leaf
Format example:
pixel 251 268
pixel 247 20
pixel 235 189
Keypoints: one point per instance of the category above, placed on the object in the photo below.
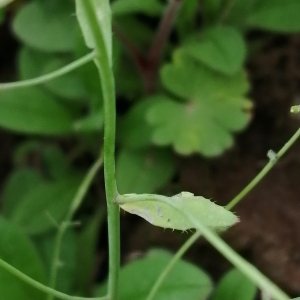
pixel 156 210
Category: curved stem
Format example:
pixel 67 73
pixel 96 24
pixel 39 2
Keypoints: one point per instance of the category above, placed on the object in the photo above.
pixel 102 60
pixel 249 270
pixel 42 287
pixel 263 172
pixel 50 76
pixel 77 200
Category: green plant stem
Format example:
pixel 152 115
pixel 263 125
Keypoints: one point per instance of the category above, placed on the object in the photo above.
pixel 182 250
pixel 172 263
pixel 263 172
pixel 249 270
pixel 50 76
pixel 102 60
pixel 77 200
pixel 42 287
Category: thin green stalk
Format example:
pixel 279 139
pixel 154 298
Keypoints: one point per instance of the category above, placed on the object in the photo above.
pixel 42 287
pixel 77 200
pixel 263 172
pixel 235 201
pixel 249 270
pixel 50 76
pixel 172 263
pixel 102 60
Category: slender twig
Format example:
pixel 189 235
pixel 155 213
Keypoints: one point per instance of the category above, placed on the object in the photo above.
pixel 263 172
pixel 163 31
pixel 42 287
pixel 103 62
pixel 50 76
pixel 148 65
pixel 156 50
pixel 248 269
pixel 77 200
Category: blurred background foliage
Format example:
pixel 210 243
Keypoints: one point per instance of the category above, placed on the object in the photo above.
pixel 190 75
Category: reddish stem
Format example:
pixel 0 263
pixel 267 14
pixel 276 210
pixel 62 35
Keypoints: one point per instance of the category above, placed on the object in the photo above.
pixel 148 65
pixel 158 45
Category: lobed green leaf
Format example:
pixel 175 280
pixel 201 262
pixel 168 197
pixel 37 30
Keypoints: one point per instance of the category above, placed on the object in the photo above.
pixel 221 48
pixel 212 106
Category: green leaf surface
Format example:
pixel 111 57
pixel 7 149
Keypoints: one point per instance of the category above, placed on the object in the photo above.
pixel 91 123
pixel 186 19
pixel 67 86
pixel 45 206
pixel 221 48
pixel 213 106
pixel 163 215
pixel 185 281
pixel 149 7
pixel 32 111
pixel 102 9
pixel 19 183
pixel 277 15
pixel 54 27
pixel 86 253
pixel 55 162
pixel 66 269
pixel 17 250
pixel 134 131
pixel 24 150
pixel 31 62
pixel 34 63
pixel 88 73
pixel 144 170
pixel 235 286
pixel 236 13
pixel 213 9
pixel 136 30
